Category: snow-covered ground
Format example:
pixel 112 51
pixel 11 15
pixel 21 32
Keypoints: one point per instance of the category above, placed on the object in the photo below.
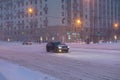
pixel 9 71
pixel 83 62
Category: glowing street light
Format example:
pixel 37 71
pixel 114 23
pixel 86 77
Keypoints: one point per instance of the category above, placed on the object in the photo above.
pixel 30 10
pixel 77 24
pixel 78 21
pixel 115 37
pixel 116 25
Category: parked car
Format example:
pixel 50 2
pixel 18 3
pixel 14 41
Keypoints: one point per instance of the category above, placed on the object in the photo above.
pixel 57 47
pixel 27 43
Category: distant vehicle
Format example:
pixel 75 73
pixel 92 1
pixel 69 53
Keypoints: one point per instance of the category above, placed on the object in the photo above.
pixel 57 47
pixel 27 43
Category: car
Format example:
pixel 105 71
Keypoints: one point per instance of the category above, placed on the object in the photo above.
pixel 27 43
pixel 57 47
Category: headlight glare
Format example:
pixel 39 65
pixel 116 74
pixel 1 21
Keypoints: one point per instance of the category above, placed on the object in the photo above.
pixel 68 47
pixel 59 47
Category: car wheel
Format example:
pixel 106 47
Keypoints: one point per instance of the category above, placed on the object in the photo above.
pixel 47 50
pixel 56 51
pixel 67 51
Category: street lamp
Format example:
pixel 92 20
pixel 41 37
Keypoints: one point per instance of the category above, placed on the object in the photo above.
pixel 116 26
pixel 33 22
pixel 30 10
pixel 77 24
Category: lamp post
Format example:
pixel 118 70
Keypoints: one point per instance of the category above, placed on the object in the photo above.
pixel 77 25
pixel 30 12
pixel 115 26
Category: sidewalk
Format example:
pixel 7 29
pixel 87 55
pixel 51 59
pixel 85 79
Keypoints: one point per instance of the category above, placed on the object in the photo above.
pixel 108 46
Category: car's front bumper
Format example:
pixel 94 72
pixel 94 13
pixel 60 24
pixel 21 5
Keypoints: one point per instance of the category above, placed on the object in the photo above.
pixel 62 50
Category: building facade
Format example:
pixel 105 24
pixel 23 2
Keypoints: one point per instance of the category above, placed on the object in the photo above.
pixel 29 19
pixel 35 19
pixel 103 15
pixel 20 19
pixel 97 16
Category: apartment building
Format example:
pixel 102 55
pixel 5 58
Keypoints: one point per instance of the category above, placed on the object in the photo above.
pixel 21 18
pixel 103 15
pixel 28 19
pixel 35 20
pixel 97 17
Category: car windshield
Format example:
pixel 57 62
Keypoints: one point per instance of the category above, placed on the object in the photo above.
pixel 57 43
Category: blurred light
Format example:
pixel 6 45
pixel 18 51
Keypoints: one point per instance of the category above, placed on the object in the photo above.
pixel 78 21
pixel 60 50
pixel 60 47
pixel 46 38
pixel 30 10
pixel 69 37
pixel 115 37
pixel 8 39
pixel 41 39
pixel 116 25
pixel 68 46
pixel 53 38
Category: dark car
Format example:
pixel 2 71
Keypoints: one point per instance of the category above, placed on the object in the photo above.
pixel 57 47
pixel 27 43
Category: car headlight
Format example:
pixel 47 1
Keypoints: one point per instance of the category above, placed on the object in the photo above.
pixel 59 47
pixel 60 50
pixel 68 47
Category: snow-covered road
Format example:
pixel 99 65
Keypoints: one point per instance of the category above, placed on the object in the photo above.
pixel 82 63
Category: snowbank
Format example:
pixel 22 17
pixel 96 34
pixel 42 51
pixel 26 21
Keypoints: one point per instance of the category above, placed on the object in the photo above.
pixel 9 71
